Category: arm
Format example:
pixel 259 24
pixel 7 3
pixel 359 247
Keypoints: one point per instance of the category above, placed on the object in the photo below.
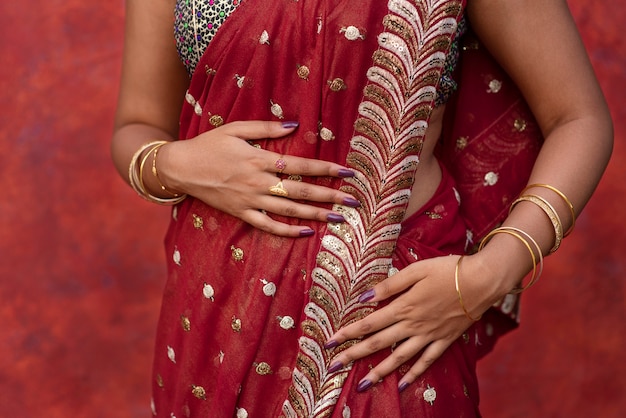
pixel 536 41
pixel 152 91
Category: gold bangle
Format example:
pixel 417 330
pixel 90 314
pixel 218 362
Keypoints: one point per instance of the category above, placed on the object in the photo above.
pixel 549 210
pixel 562 196
pixel 534 276
pixel 155 173
pixel 531 239
pixel 136 176
pixel 132 167
pixel 458 291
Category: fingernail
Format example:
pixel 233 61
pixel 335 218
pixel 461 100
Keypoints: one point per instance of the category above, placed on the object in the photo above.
pixel 331 344
pixel 288 124
pixel 344 172
pixel 367 296
pixel 363 386
pixel 353 203
pixel 403 386
pixel 336 218
pixel 307 232
pixel 334 367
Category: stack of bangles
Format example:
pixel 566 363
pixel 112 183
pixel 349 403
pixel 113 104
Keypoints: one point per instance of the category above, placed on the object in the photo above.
pixel 526 239
pixel 135 174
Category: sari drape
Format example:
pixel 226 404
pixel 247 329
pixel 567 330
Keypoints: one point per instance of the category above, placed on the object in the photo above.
pixel 245 314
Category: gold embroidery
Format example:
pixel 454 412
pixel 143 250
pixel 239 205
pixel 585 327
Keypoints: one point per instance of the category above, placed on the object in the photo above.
pixel 235 324
pixel 337 84
pixel 185 323
pixel 237 253
pixel 198 222
pixel 263 368
pixel 198 392
pixel 303 72
pixel 216 121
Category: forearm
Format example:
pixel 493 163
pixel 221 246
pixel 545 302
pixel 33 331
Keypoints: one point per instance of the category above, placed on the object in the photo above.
pixel 127 140
pixel 572 159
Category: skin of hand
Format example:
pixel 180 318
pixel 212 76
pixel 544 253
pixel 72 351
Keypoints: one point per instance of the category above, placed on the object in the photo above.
pixel 218 167
pixel 537 42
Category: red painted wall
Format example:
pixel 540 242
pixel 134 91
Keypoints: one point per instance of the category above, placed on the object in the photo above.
pixel 81 266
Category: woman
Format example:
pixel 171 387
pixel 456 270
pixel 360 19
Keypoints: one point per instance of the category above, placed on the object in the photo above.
pixel 315 245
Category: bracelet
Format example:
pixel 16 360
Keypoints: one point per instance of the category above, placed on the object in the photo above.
pixel 136 176
pixel 532 240
pixel 458 291
pixel 549 211
pixel 562 196
pixel 156 173
pixel 506 230
pixel 132 168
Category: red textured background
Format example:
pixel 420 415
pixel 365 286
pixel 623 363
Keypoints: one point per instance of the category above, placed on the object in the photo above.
pixel 81 266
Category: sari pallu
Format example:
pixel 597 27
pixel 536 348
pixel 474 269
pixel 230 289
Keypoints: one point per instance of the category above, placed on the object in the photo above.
pixel 245 314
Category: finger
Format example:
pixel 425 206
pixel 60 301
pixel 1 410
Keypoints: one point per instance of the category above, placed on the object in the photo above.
pixel 379 341
pixel 263 222
pixel 428 357
pixel 400 355
pixel 306 166
pixel 299 190
pixel 374 322
pixel 396 283
pixel 289 208
pixel 258 129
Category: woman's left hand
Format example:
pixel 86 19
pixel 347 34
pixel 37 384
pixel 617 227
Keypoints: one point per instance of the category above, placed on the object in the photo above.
pixel 426 316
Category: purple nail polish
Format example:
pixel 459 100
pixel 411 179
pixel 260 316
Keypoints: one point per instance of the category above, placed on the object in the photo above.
pixel 288 124
pixel 331 344
pixel 334 367
pixel 344 172
pixel 307 232
pixel 403 386
pixel 335 218
pixel 350 202
pixel 363 386
pixel 367 296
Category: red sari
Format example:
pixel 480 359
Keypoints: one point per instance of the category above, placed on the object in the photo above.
pixel 245 314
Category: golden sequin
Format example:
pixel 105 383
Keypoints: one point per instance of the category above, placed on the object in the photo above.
pixel 216 120
pixel 303 72
pixel 337 84
pixel 263 368
pixel 237 253
pixel 209 71
pixel 461 142
pixel 185 323
pixel 235 324
pixel 519 125
pixel 198 222
pixel 198 392
pixel 159 381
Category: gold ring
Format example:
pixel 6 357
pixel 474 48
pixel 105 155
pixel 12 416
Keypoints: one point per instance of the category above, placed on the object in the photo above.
pixel 279 190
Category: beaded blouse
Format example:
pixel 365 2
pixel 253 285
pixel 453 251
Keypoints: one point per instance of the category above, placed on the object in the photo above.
pixel 196 22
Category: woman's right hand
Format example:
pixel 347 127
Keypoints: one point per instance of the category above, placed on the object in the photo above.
pixel 223 170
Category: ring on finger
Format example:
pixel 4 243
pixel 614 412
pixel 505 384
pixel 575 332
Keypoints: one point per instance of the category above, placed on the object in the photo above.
pixel 279 190
pixel 280 165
